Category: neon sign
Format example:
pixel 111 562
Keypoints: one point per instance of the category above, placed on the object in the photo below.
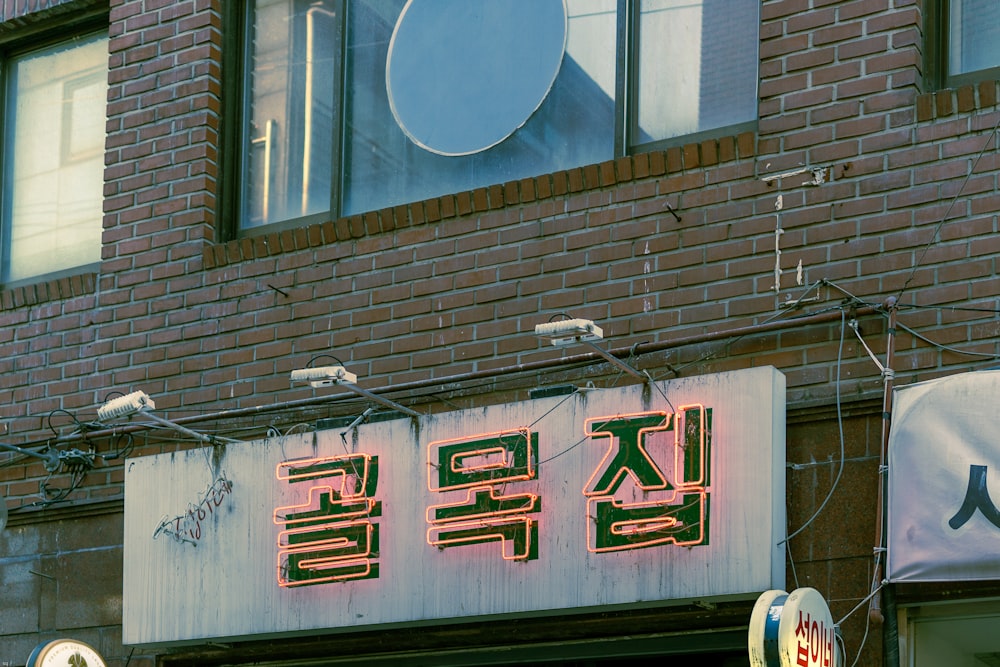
pixel 475 473
pixel 329 536
pixel 570 503
pixel 658 510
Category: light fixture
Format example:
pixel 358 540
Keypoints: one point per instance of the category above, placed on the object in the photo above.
pixel 566 332
pixel 323 376
pixel 582 332
pixel 139 403
pixel 124 406
pixel 328 376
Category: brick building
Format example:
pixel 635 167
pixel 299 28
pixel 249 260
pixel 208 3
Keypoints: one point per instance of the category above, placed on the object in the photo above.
pixel 837 156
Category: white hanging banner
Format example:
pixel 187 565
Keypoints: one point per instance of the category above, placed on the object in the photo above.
pixel 944 454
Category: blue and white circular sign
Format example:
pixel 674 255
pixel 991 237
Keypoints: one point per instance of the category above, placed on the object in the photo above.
pixel 793 630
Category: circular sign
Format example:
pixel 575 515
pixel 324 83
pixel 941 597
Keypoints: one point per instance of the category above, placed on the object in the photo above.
pixel 463 76
pixel 793 630
pixel 806 635
pixel 64 653
pixel 763 635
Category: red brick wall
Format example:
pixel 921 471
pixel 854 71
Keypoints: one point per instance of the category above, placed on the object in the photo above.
pixel 455 284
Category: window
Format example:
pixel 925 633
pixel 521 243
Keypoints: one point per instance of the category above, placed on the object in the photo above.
pixel 967 43
pixel 973 36
pixel 357 106
pixel 952 633
pixel 53 157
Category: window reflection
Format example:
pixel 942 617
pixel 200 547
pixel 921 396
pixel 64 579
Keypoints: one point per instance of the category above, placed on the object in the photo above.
pixel 292 116
pixel 323 138
pixel 697 67
pixel 56 168
pixel 572 126
pixel 462 76
pixel 975 36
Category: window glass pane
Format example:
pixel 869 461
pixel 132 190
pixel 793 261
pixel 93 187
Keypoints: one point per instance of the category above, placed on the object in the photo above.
pixel 292 82
pixel 697 66
pixel 975 36
pixel 573 124
pixel 56 167
pixel 443 96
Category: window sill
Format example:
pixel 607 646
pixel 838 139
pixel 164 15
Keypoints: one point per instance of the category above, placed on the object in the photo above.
pixel 266 242
pixel 32 292
pixel 949 101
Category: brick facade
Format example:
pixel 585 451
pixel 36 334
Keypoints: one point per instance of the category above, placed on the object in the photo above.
pixel 903 202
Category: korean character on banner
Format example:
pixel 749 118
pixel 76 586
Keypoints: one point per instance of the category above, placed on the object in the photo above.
pixel 477 476
pixel 652 486
pixel 329 534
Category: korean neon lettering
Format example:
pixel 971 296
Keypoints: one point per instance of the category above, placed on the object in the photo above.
pixel 654 507
pixel 330 534
pixel 475 474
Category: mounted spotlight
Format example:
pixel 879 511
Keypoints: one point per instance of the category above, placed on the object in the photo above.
pixel 582 332
pixel 124 406
pixel 328 376
pixel 324 376
pixel 567 332
pixel 139 403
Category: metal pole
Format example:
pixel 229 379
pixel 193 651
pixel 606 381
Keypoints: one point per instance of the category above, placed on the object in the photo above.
pixel 547 364
pixel 886 601
pixel 210 439
pixel 51 460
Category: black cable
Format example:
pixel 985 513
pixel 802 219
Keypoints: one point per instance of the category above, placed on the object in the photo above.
pixel 944 218
pixel 840 424
pixel 122 452
pixel 969 309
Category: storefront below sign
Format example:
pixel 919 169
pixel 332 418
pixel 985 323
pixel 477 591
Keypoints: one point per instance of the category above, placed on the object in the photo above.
pixel 958 633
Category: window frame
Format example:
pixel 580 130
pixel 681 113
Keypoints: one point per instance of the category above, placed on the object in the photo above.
pixel 627 91
pixel 34 36
pixel 237 22
pixel 937 43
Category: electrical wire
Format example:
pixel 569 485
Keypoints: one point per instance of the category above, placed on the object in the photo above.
pixel 840 427
pixel 791 559
pixel 52 496
pixel 121 452
pixel 918 335
pixel 969 309
pixel 944 218
pixel 946 348
pixel 726 345
pixel 875 588
pixel 514 376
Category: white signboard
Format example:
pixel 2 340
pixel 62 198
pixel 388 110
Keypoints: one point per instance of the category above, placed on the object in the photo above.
pixel 602 499
pixel 944 452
